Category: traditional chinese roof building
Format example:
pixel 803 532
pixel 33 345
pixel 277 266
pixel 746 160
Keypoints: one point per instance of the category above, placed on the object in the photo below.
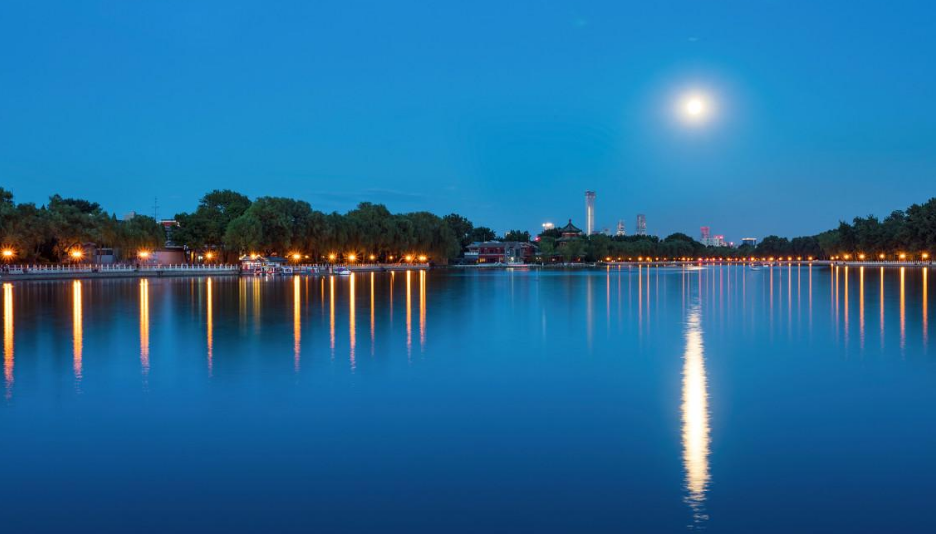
pixel 570 230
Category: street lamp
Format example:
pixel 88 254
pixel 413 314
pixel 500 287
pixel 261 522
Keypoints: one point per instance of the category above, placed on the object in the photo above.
pixel 76 254
pixel 209 256
pixel 352 257
pixel 8 254
pixel 902 256
pixel 422 258
pixel 408 258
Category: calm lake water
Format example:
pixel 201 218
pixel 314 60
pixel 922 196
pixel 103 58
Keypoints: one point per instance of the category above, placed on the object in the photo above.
pixel 791 399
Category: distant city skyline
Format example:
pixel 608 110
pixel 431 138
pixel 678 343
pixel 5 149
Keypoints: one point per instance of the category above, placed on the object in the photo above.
pixel 132 101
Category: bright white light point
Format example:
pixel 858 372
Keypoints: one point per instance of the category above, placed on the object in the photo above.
pixel 695 108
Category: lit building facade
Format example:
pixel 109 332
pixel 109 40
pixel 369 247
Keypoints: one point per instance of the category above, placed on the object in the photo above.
pixel 641 224
pixel 589 212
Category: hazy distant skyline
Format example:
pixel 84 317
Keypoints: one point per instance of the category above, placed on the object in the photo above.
pixel 505 113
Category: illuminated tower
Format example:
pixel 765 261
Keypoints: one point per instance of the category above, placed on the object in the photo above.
pixel 706 233
pixel 620 228
pixel 589 212
pixel 641 224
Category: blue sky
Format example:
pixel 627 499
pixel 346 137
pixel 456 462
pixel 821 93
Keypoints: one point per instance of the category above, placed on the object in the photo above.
pixel 502 111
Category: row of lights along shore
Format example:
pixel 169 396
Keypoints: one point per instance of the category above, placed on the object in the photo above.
pixel 351 257
pixel 77 254
pixel 844 257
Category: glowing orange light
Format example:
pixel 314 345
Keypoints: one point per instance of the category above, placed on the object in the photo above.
pixel 8 253
pixel 253 256
pixel 76 254
pixel 422 258
pixel 372 257
pixel 332 256
pixel 352 257
pixel 861 256
pixel 209 255
pixel 903 256
pixel 296 256
pixel 143 254
pixel 881 256
pixel 925 255
pixel 408 258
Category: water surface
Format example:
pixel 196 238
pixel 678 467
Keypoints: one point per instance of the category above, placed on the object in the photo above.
pixel 791 399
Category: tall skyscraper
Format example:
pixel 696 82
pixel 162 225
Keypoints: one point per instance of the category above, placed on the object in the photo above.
pixel 620 228
pixel 641 224
pixel 589 212
pixel 706 232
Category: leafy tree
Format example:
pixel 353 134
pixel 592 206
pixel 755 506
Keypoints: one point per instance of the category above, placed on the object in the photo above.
pixel 481 234
pixel 517 235
pixel 461 227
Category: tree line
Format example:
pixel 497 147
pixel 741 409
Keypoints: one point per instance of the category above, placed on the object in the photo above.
pixel 230 224
pixel 911 232
pixel 49 233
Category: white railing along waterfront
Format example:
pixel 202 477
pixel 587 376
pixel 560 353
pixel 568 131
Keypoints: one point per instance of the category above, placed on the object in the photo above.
pixel 83 268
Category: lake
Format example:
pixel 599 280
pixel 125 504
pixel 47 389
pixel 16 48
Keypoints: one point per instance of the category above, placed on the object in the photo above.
pixel 626 399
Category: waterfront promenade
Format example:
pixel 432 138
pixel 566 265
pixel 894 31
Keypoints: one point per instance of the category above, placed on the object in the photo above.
pixel 10 273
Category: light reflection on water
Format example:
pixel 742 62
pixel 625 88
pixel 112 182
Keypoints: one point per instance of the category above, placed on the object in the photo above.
pixel 144 327
pixel 522 338
pixel 8 339
pixel 695 415
pixel 77 332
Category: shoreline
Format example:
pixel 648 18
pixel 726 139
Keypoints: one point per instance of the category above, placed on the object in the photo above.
pixel 47 273
pixel 60 273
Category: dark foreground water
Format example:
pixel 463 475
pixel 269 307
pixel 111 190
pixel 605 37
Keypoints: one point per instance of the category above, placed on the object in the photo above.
pixel 636 400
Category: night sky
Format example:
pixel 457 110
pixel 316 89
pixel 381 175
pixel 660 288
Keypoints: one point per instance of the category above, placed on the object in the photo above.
pixel 505 112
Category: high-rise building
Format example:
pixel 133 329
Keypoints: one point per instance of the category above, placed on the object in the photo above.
pixel 749 241
pixel 714 241
pixel 641 224
pixel 706 232
pixel 589 212
pixel 620 228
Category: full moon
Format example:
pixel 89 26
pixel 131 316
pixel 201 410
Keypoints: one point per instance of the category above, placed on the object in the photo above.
pixel 694 108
